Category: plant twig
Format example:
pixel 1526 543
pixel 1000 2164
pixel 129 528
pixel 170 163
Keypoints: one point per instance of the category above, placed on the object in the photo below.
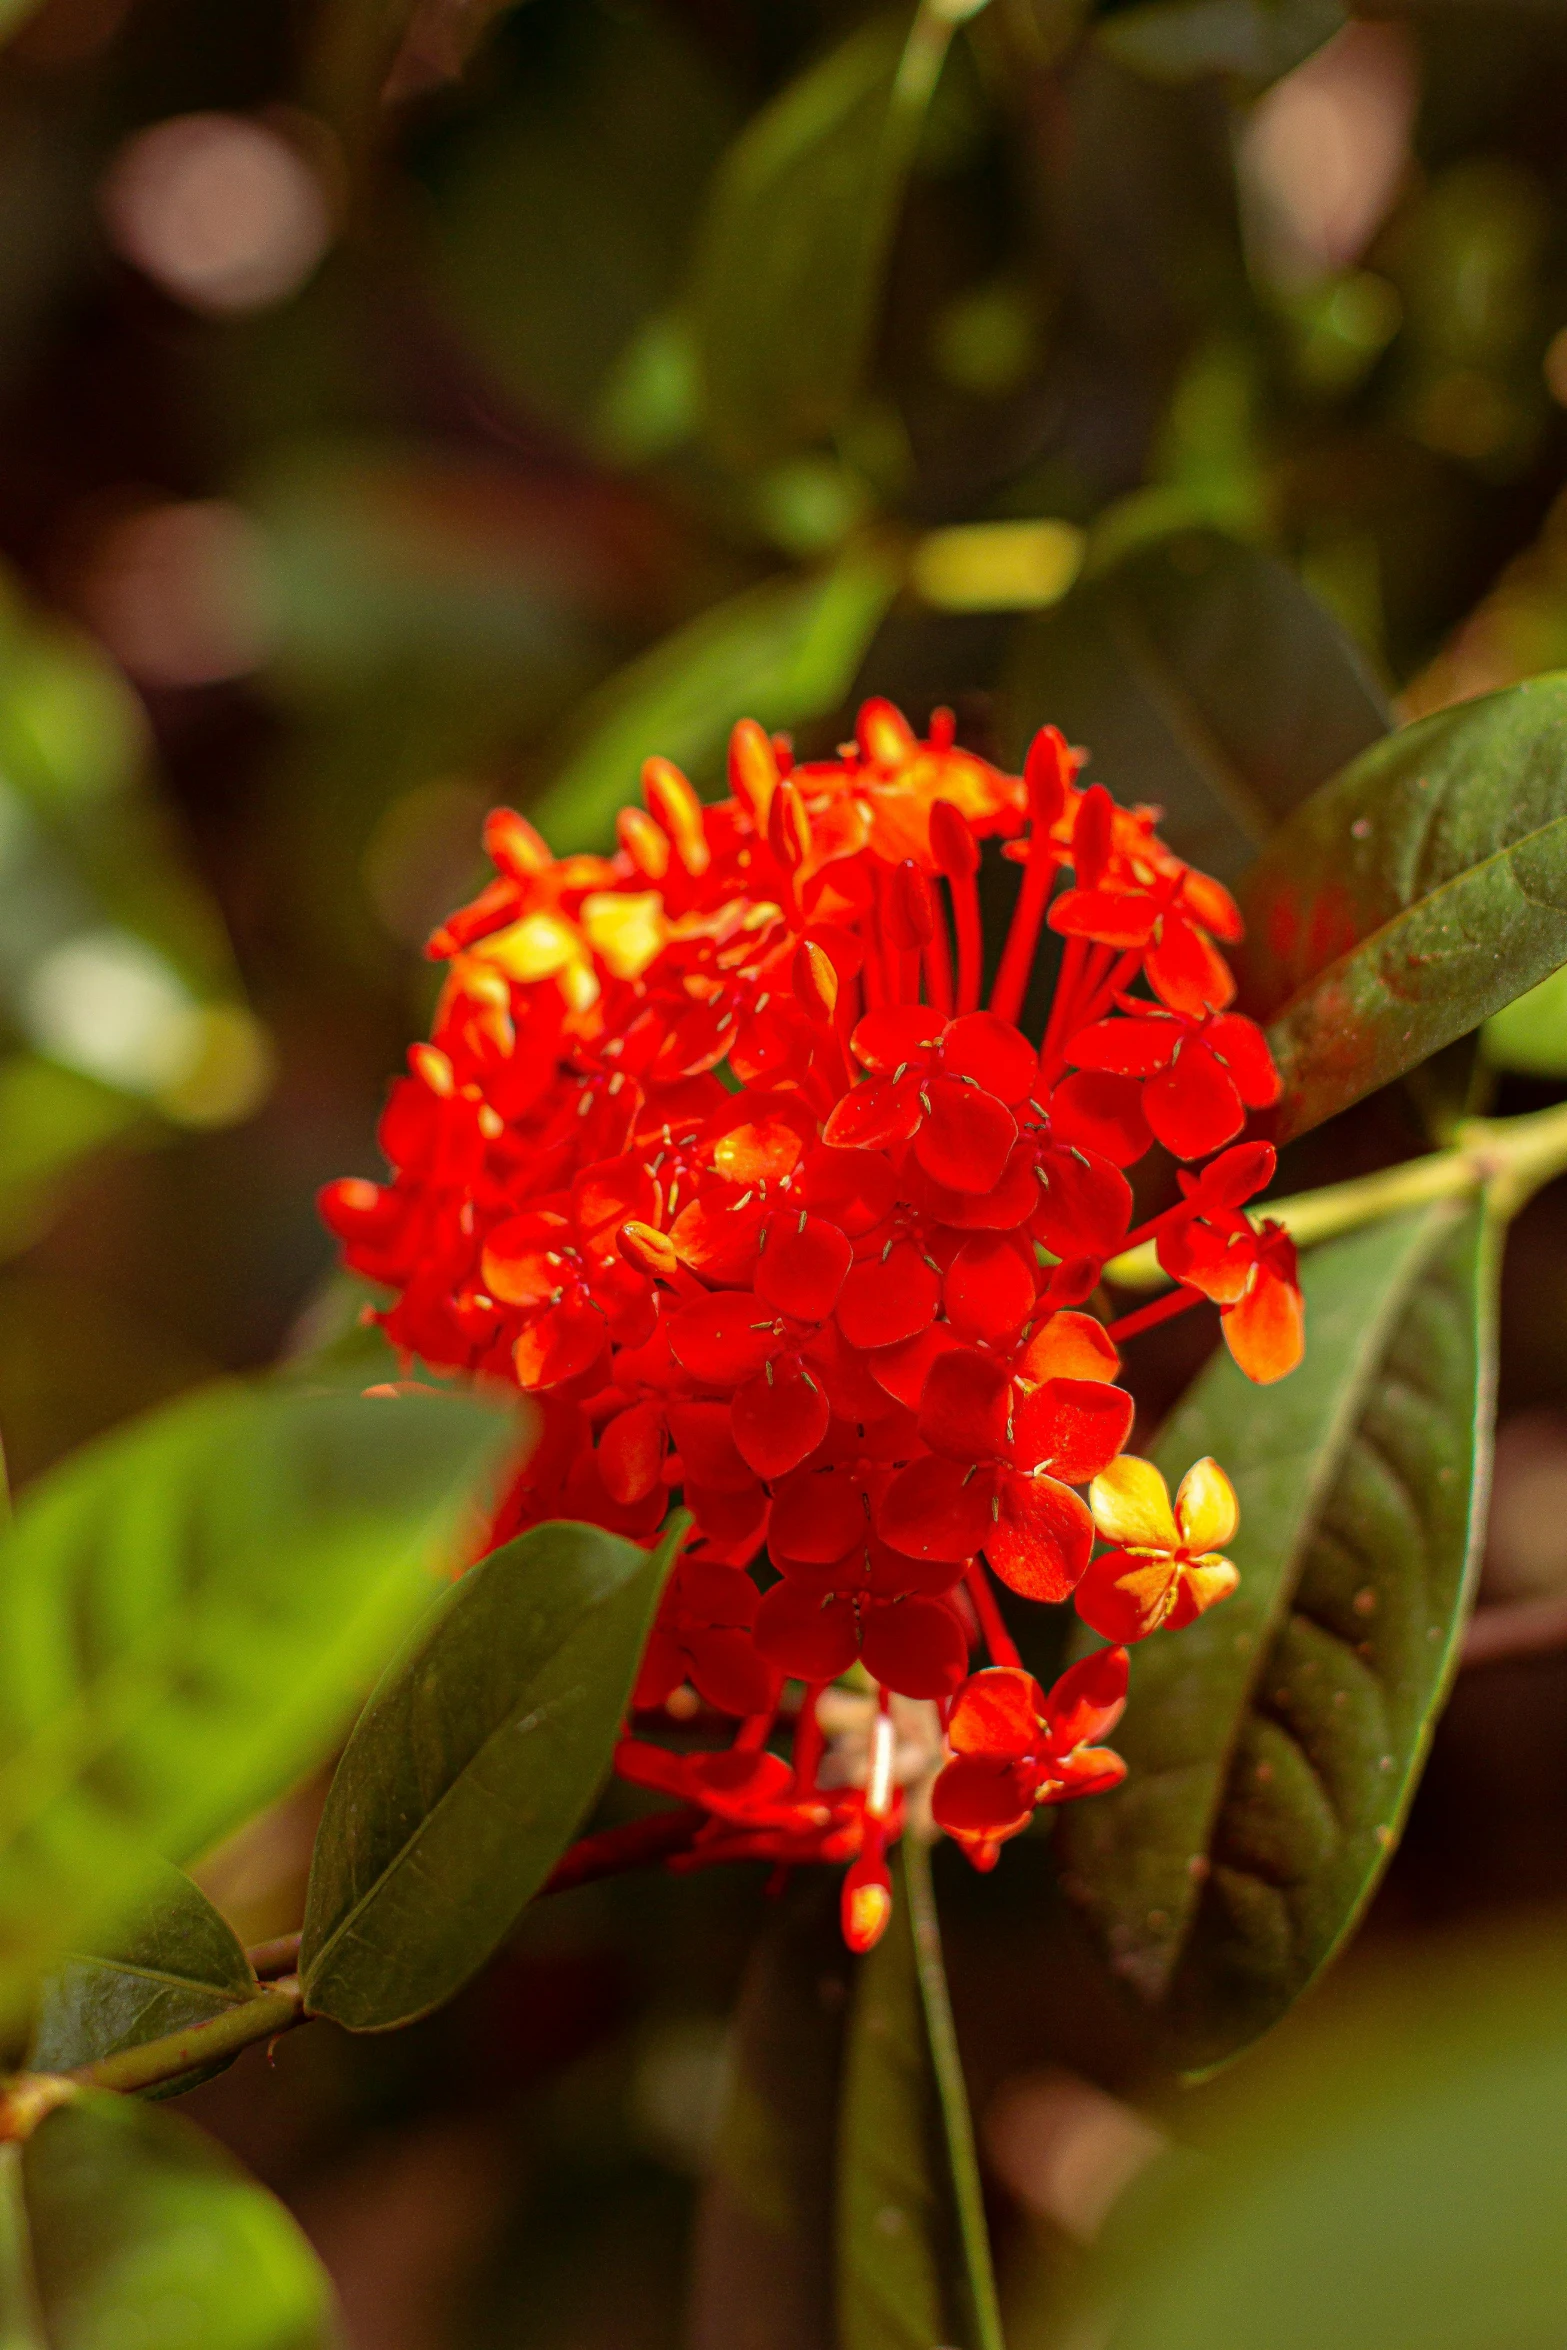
pixel 280 1956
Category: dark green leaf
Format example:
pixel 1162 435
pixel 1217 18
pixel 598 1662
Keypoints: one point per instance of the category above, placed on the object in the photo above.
pixel 146 2233
pixel 762 2261
pixel 913 2255
pixel 1274 1745
pixel 175 1962
pixel 188 1610
pixel 1176 40
pixel 1409 899
pixel 780 653
pixel 1200 674
pixel 471 1768
pixel 789 268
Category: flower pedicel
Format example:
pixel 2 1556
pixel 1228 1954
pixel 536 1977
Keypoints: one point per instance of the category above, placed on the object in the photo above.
pixel 717 1154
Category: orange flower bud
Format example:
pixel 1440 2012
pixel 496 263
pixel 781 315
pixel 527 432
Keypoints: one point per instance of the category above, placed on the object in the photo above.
pixel 512 845
pixel 674 805
pixel 647 1250
pixel 645 843
pixel 866 1902
pixel 1047 771
pixel 885 736
pixel 911 918
pixel 753 770
pixel 789 827
pixel 815 982
pixel 953 846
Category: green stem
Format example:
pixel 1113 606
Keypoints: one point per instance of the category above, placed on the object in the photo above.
pixel 270 2010
pixel 1507 1158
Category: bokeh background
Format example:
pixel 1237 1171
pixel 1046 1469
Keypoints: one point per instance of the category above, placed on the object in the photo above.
pixel 366 458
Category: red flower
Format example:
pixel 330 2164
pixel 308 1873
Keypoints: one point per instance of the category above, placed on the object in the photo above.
pixel 1201 1074
pixel 1249 1271
pixel 950 1087
pixel 871 1603
pixel 703 1633
pixel 1014 1748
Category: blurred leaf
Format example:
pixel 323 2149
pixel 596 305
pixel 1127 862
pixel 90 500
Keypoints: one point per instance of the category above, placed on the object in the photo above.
pixel 1530 1034
pixel 562 217
pixel 762 2256
pixel 1273 1747
pixel 1388 2180
pixel 188 1609
pixel 144 2232
pixel 1201 675
pixel 175 1962
pixel 780 653
pixel 1409 899
pixel 1177 40
pixel 49 1119
pixel 471 1769
pixel 789 269
pixel 913 2253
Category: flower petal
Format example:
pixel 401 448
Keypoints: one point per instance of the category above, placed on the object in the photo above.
pixel 560 1345
pixel 1194 1105
pixel 779 1420
pixel 966 1136
pixel 997 1712
pixel 1206 1510
pixel 887 1299
pixel 915 1645
pixel 1088 1700
pixel 1266 1331
pixel 996 1055
pixel 802 1266
pixel 801 1634
pixel 989 1286
pixel 818 1515
pixel 975 1797
pixel 937 1509
pixel 1072 1427
pixel 1070 1346
pixel 1103 1112
pixel 1131 1505
pixel 1126 1594
pixel 725 1338
pixel 1040 1542
pixel 1202 1584
pixel 966 1406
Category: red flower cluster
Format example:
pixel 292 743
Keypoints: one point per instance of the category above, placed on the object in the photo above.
pixel 716 1153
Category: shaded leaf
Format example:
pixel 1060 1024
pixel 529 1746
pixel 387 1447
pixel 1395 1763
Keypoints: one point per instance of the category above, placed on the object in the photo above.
pixel 145 2232
pixel 1530 1034
pixel 188 1610
pixel 1273 1747
pixel 471 1768
pixel 780 653
pixel 1200 674
pixel 1411 898
pixel 762 2257
pixel 913 2255
pixel 176 1962
pixel 789 268
pixel 1176 40
pixel 50 1118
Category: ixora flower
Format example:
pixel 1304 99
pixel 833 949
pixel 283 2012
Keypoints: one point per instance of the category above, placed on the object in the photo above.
pixel 716 1152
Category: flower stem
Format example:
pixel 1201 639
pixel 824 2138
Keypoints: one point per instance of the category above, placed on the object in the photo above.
pixel 1506 1158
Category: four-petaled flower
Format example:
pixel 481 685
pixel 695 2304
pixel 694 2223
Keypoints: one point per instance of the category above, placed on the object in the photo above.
pixel 1166 1566
pixel 1015 1748
pixel 1249 1271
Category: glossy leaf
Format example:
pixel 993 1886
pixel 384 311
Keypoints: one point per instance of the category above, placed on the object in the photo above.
pixel 471 1768
pixel 1273 1747
pixel 1178 40
pixel 913 2255
pixel 188 1611
pixel 1202 675
pixel 790 263
pixel 764 2231
pixel 175 1962
pixel 1411 898
pixel 144 2231
pixel 780 653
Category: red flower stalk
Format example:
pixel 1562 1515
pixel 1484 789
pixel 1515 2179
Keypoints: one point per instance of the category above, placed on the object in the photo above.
pixel 716 1153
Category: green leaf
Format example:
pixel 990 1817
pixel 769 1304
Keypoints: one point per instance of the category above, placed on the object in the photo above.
pixel 145 2232
pixel 780 653
pixel 176 1962
pixel 471 1768
pixel 1178 40
pixel 188 1610
pixel 764 2231
pixel 913 2254
pixel 50 1119
pixel 1202 675
pixel 792 254
pixel 1530 1034
pixel 1273 1747
pixel 1411 898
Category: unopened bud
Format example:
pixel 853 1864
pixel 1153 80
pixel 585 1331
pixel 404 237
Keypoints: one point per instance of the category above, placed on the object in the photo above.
pixel 645 843
pixel 512 845
pixel 753 770
pixel 430 1065
pixel 1091 835
pixel 789 827
pixel 647 1250
pixel 815 982
pixel 911 918
pixel 952 844
pixel 884 735
pixel 943 729
pixel 674 805
pixel 865 1905
pixel 1047 771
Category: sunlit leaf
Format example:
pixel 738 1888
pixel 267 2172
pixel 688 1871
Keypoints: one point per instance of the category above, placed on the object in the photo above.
pixel 1411 898
pixel 142 2231
pixel 780 653
pixel 764 2231
pixel 471 1769
pixel 913 2255
pixel 1530 1034
pixel 1177 40
pixel 1201 675
pixel 188 1610
pixel 792 253
pixel 174 1962
pixel 1273 1747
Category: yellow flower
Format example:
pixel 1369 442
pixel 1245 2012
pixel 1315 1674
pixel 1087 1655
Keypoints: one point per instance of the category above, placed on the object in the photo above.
pixel 1167 1565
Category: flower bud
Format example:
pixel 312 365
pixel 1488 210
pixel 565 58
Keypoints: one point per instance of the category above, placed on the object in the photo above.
pixel 753 770
pixel 673 804
pixel 866 1902
pixel 789 827
pixel 884 735
pixel 952 844
pixel 815 982
pixel 512 845
pixel 647 1250
pixel 911 918
pixel 645 843
pixel 1047 771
